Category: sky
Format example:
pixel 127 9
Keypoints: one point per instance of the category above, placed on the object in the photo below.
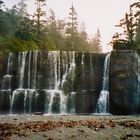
pixel 102 14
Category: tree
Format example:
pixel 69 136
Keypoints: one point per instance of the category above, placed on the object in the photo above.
pixel 61 26
pixel 52 18
pixel 25 28
pixel 72 25
pixel 128 25
pixel 39 17
pixel 131 29
pixel 54 34
pixel 96 42
pixel 83 33
pixel 9 22
pixel 22 8
pixel 136 13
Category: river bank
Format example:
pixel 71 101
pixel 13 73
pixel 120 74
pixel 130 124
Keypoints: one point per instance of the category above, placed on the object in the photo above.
pixel 69 127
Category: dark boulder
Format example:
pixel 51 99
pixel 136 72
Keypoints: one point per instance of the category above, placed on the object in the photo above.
pixel 124 85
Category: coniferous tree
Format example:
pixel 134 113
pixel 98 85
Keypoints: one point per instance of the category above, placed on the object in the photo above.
pixel 128 25
pixel 54 35
pixel 72 26
pixel 39 17
pixel 98 40
pixel 95 42
pixel 25 26
pixel 83 33
pixel 136 7
pixel 131 28
pixel 61 26
pixel 22 8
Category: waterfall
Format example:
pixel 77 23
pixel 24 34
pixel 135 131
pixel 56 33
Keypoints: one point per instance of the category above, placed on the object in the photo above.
pixel 54 79
pixel 27 80
pixel 21 74
pixel 91 65
pixel 46 82
pixel 21 66
pixel 65 69
pixel 25 100
pixel 103 101
pixel 31 94
pixel 56 83
pixel 54 72
pixel 29 70
pixel 35 54
pixel 62 98
pixel 9 63
pixel 137 72
pixel 72 68
pixel 62 82
pixel 82 63
pixel 15 92
pixel 8 77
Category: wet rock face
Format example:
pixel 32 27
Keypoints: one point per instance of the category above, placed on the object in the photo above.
pixel 80 73
pixel 88 81
pixel 2 67
pixel 85 102
pixel 124 85
pixel 81 80
pixel 89 71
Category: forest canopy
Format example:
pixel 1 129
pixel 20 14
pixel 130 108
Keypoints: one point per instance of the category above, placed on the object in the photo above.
pixel 22 31
pixel 129 39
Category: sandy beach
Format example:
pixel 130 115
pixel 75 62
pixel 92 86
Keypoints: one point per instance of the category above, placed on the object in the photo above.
pixel 69 127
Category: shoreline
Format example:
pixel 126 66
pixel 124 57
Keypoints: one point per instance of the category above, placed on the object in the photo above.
pixel 69 127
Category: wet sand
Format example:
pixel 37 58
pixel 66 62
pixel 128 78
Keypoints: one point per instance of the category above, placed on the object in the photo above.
pixel 69 127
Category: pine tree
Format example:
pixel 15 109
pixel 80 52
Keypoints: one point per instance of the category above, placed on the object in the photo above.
pixel 128 25
pixel 136 13
pixel 39 15
pixel 95 42
pixel 61 25
pixel 22 8
pixel 72 25
pixel 54 34
pixel 83 33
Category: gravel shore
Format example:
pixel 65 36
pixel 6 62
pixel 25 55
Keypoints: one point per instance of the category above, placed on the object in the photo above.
pixel 69 127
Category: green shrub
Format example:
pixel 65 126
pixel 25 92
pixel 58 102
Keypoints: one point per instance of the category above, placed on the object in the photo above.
pixel 16 45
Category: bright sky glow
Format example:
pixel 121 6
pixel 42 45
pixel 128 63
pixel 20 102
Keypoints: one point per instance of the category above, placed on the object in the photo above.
pixel 102 14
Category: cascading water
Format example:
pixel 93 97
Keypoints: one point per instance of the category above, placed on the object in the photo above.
pixel 29 70
pixel 103 101
pixel 59 82
pixel 54 80
pixel 8 77
pixel 35 54
pixel 138 70
pixel 21 66
pixel 57 71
